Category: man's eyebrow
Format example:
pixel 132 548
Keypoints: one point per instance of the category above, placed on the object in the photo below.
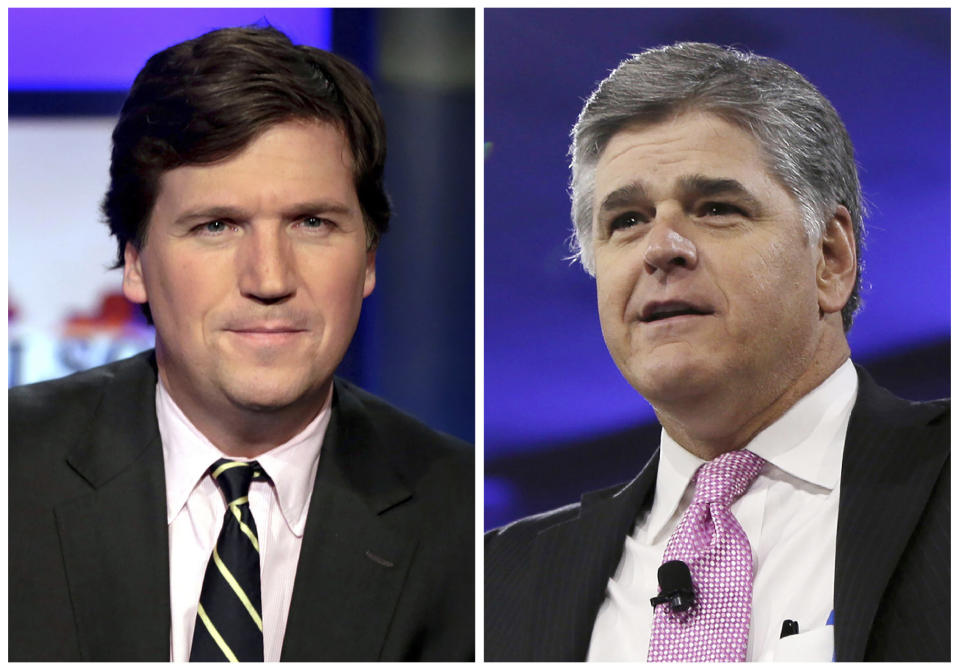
pixel 318 207
pixel 624 196
pixel 706 187
pixel 210 214
pixel 691 185
pixel 215 212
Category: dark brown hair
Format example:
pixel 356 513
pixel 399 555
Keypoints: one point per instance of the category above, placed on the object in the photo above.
pixel 206 99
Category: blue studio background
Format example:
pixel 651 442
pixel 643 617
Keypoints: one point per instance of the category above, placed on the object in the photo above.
pixel 415 342
pixel 559 418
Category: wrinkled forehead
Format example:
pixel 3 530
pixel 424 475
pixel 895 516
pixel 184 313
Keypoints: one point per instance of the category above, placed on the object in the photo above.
pixel 718 145
pixel 683 144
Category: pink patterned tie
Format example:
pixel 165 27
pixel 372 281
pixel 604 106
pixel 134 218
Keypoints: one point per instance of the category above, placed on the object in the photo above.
pixel 711 542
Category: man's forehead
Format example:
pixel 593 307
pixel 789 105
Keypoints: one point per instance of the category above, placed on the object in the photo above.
pixel 289 162
pixel 700 150
pixel 329 130
pixel 677 126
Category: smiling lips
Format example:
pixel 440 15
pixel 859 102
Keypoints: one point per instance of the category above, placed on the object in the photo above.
pixel 658 311
pixel 272 333
pixel 266 331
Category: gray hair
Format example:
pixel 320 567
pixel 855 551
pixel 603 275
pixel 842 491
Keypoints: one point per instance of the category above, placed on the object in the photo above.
pixel 805 142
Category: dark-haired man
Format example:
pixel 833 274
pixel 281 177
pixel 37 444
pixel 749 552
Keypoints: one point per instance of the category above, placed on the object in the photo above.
pixel 803 509
pixel 224 498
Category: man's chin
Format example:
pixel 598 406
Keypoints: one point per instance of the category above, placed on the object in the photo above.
pixel 274 393
pixel 670 379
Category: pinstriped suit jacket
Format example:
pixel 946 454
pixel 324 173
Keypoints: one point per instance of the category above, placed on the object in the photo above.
pixel 546 576
pixel 385 570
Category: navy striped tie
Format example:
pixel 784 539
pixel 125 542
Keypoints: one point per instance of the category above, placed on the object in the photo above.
pixel 229 625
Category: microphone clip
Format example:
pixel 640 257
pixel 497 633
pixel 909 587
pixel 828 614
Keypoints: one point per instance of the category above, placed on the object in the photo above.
pixel 679 600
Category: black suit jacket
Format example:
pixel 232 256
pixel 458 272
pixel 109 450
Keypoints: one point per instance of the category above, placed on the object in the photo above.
pixel 89 567
pixel 546 576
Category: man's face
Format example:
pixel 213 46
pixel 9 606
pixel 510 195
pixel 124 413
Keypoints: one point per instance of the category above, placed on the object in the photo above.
pixel 706 284
pixel 255 269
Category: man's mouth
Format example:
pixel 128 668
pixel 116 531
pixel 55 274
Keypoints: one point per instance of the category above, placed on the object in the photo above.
pixel 267 331
pixel 269 334
pixel 266 327
pixel 658 311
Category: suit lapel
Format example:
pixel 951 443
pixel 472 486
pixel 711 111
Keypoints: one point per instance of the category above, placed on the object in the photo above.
pixel 889 469
pixel 352 564
pixel 578 557
pixel 114 539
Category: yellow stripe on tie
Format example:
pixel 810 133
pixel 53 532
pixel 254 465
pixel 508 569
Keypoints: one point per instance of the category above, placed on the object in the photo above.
pixel 216 635
pixel 245 528
pixel 235 585
pixel 227 466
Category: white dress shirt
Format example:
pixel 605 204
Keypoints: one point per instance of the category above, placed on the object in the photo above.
pixel 789 515
pixel 195 509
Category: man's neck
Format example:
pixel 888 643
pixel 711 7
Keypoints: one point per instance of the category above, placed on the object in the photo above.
pixel 244 433
pixel 715 426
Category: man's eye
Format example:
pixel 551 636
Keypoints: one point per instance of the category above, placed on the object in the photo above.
pixel 626 220
pixel 212 228
pixel 720 209
pixel 314 222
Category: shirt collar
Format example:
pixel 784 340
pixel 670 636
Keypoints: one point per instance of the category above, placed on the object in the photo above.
pixel 188 454
pixel 806 442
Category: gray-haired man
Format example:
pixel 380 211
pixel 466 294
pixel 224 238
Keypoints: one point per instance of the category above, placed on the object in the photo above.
pixel 716 201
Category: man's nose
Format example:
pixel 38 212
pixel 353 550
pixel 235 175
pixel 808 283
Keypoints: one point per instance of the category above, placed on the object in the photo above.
pixel 668 246
pixel 267 265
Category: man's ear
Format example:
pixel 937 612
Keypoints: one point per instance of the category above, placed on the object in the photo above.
pixel 370 273
pixel 837 266
pixel 134 287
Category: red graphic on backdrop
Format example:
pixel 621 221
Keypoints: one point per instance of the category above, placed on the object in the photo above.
pixel 116 315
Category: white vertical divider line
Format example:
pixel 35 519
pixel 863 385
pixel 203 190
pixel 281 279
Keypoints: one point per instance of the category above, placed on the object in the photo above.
pixel 478 324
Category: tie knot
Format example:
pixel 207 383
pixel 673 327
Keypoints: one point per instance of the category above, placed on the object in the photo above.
pixel 234 477
pixel 727 477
